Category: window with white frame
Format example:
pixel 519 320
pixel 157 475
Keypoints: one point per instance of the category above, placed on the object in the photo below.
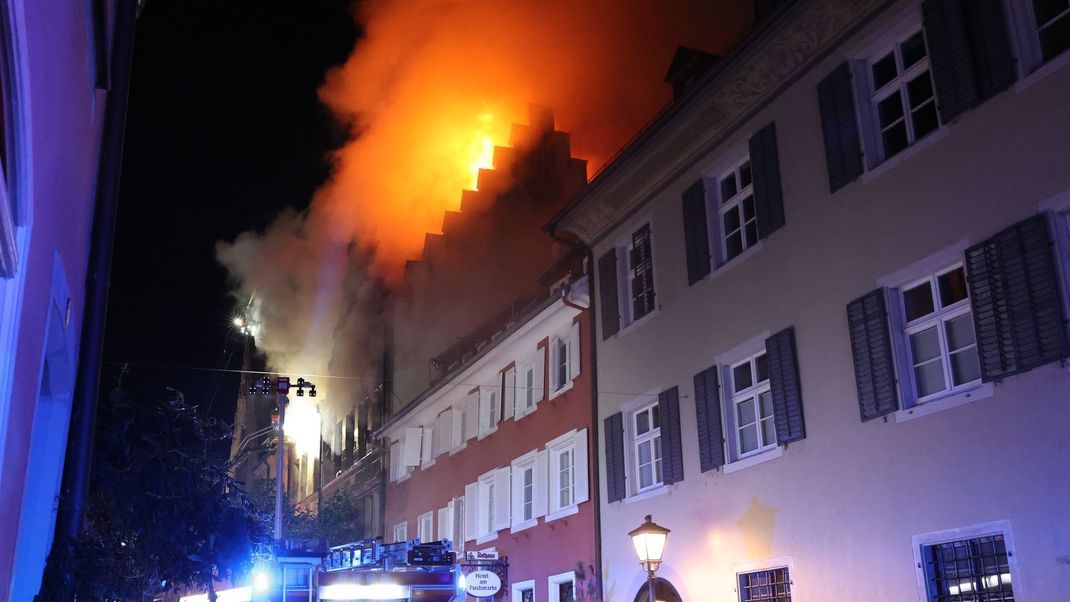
pixel 559 363
pixel 901 92
pixel 525 399
pixel 751 407
pixel 647 446
pixel 562 587
pixel 737 215
pixel 524 491
pixel 401 531
pixel 767 585
pixel 486 495
pixel 489 410
pixel 564 477
pixel 1045 32
pixel 445 522
pixel 524 591
pixel 425 526
pixel 564 359
pixel 938 335
pixel 971 569
pixel 442 434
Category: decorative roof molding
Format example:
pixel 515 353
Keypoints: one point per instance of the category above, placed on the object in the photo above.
pixel 771 59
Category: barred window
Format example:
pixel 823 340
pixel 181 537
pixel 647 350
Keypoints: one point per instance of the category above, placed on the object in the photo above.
pixel 968 570
pixel 772 585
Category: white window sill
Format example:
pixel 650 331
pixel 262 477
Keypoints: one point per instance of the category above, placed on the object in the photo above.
pixel 486 538
pixel 905 155
pixel 458 450
pixel 945 403
pixel 562 513
pixel 637 323
pixel 566 387
pixel 647 494
pixel 428 465
pixel 1042 72
pixel 518 527
pixel 527 412
pixel 731 264
pixel 749 461
pixel 483 436
pixel 403 478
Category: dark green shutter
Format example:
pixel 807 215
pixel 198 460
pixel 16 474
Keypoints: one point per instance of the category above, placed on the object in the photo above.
pixel 871 349
pixel 765 171
pixel 614 434
pixel 607 292
pixel 672 455
pixel 969 50
pixel 839 126
pixel 708 415
pixel 696 235
pixel 785 386
pixel 1017 309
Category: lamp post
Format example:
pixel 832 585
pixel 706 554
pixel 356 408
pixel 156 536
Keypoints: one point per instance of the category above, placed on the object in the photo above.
pixel 649 542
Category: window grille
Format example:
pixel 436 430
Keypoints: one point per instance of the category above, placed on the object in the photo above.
pixel 769 585
pixel 968 570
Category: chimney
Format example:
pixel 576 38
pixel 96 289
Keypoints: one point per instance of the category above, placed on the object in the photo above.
pixel 688 66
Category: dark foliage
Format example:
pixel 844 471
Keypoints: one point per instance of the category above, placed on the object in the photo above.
pixel 163 513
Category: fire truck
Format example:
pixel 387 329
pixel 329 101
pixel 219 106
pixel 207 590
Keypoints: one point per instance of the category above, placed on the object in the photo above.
pixel 409 571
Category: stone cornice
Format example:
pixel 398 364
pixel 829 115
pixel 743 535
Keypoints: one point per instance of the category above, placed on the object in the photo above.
pixel 763 65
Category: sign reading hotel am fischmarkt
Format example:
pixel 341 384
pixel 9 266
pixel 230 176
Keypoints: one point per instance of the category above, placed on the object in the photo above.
pixel 482 584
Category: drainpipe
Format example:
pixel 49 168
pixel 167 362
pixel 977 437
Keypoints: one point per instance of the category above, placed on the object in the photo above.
pixel 596 488
pixel 75 484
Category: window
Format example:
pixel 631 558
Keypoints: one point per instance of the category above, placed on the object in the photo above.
pixel 560 363
pixel 442 435
pixel 752 406
pixel 526 398
pixel 562 587
pixel 401 531
pixel 738 219
pixel 530 496
pixel 647 424
pixel 968 570
pixel 489 410
pixel 938 335
pixel 524 591
pixel 564 359
pixel 1052 26
pixel 491 503
pixel 425 526
pixel 445 522
pixel 773 585
pixel 9 217
pixel 640 275
pixel 565 467
pixel 904 104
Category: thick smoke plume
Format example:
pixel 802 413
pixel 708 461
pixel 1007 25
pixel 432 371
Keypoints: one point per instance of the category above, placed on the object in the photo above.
pixel 428 91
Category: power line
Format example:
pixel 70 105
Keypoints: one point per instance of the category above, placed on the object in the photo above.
pixel 336 377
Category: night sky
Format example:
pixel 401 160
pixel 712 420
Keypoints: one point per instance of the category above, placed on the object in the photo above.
pixel 224 129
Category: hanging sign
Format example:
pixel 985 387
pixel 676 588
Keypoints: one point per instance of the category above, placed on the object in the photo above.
pixel 482 584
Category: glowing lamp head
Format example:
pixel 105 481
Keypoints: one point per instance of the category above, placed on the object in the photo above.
pixel 649 542
pixel 261 580
pixel 239 322
pixel 462 583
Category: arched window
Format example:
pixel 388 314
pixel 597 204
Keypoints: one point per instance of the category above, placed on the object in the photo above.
pixel 663 592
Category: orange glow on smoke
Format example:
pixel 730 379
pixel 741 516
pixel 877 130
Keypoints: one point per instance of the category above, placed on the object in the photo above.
pixel 434 85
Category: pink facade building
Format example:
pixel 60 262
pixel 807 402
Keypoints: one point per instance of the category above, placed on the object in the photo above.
pixel 496 454
pixel 61 97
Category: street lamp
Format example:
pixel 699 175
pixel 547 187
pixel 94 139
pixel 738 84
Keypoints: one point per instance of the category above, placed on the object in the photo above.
pixel 649 543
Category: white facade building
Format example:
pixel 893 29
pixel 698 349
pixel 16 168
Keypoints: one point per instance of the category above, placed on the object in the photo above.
pixel 831 307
